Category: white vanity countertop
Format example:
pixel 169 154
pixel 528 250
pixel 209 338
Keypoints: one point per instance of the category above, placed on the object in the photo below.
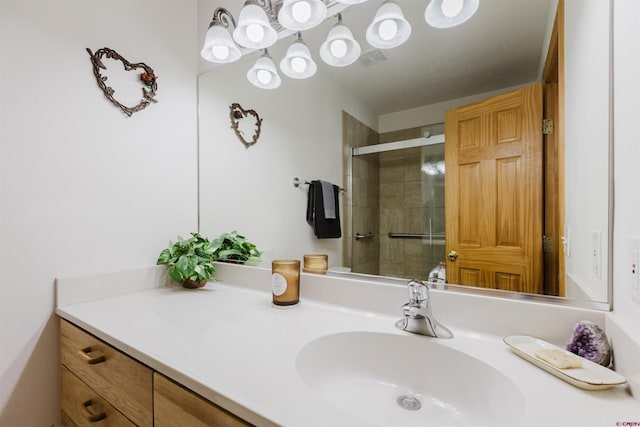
pixel 233 347
pixel 230 345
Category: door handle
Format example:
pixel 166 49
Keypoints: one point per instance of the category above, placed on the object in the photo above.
pixel 452 255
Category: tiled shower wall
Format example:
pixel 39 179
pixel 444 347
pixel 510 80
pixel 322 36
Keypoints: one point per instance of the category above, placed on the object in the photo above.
pixel 410 202
pixel 391 194
pixel 362 255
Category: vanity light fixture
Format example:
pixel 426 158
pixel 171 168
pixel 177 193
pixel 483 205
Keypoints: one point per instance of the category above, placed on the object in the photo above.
pixel 449 13
pixel 254 31
pixel 340 48
pixel 260 21
pixel 389 28
pixel 298 63
pixel 218 44
pixel 264 74
pixel 300 15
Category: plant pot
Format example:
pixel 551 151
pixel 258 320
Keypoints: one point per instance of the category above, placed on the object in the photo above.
pixel 250 261
pixel 192 284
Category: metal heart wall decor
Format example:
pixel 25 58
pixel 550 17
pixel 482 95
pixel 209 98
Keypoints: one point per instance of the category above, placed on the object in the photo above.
pixel 238 115
pixel 147 78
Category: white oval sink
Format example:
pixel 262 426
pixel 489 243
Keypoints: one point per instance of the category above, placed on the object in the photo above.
pixel 373 375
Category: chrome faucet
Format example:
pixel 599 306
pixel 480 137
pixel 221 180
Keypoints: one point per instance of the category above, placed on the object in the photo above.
pixel 417 316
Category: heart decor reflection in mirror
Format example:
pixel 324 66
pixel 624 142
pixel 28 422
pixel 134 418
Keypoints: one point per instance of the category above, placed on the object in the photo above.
pixel 147 77
pixel 243 127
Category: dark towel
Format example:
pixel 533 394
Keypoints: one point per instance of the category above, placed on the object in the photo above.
pixel 323 228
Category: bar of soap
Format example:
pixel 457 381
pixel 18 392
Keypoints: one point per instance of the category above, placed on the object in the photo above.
pixel 558 358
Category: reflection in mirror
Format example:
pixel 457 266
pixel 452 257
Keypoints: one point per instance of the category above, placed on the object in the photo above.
pixel 407 187
pixel 245 123
pixel 311 125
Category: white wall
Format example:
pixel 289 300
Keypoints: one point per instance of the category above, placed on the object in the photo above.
pixel 627 155
pixel 250 190
pixel 587 111
pixel 84 189
pixel 432 113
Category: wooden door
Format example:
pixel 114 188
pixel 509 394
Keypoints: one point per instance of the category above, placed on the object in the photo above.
pixel 552 229
pixel 493 155
pixel 553 90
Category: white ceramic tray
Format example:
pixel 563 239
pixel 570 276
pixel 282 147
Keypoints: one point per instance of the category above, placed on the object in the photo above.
pixel 590 376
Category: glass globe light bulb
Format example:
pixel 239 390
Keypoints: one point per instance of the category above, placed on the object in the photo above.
pixel 388 29
pixel 255 33
pixel 264 77
pixel 299 65
pixel 451 8
pixel 220 52
pixel 301 11
pixel 338 48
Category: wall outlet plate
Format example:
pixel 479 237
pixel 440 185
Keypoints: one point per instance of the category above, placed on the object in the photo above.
pixel 596 244
pixel 566 241
pixel 634 268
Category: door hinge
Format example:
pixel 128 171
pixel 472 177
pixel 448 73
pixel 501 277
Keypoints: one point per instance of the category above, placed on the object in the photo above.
pixel 547 244
pixel 547 126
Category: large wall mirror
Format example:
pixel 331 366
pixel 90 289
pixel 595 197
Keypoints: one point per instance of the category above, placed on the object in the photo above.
pixel 311 127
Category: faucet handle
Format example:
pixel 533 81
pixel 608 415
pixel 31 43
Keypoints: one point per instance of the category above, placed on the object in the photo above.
pixel 418 291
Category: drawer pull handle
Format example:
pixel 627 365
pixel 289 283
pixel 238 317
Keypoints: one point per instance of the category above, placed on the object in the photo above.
pixel 92 357
pixel 94 412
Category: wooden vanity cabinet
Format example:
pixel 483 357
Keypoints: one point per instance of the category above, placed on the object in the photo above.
pixel 175 406
pixel 81 406
pixel 101 386
pixel 120 381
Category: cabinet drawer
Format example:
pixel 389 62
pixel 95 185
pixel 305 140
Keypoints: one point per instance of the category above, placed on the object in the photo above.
pixel 175 406
pixel 122 381
pixel 82 407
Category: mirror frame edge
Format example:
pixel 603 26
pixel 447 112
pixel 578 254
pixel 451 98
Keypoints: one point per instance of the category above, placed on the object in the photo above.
pixel 611 184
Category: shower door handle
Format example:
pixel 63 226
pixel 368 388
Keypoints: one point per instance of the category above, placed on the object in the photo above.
pixel 364 236
pixel 452 255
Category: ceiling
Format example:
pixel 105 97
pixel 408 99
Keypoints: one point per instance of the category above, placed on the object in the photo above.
pixel 500 46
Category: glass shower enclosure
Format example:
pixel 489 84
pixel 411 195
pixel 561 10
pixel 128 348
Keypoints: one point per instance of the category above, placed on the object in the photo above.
pixel 398 211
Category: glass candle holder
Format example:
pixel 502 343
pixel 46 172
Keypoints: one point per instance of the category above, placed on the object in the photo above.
pixel 285 281
pixel 316 263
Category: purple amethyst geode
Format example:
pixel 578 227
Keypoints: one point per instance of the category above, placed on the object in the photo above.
pixel 590 342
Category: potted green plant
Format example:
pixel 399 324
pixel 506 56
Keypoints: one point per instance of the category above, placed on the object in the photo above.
pixel 234 247
pixel 190 261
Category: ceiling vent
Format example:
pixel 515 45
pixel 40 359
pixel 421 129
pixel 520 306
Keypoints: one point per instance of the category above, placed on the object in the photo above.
pixel 372 58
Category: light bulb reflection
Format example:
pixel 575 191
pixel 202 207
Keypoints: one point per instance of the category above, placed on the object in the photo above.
pixel 433 168
pixel 429 170
pixel 451 8
pixel 388 29
pixel 301 11
pixel 255 33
